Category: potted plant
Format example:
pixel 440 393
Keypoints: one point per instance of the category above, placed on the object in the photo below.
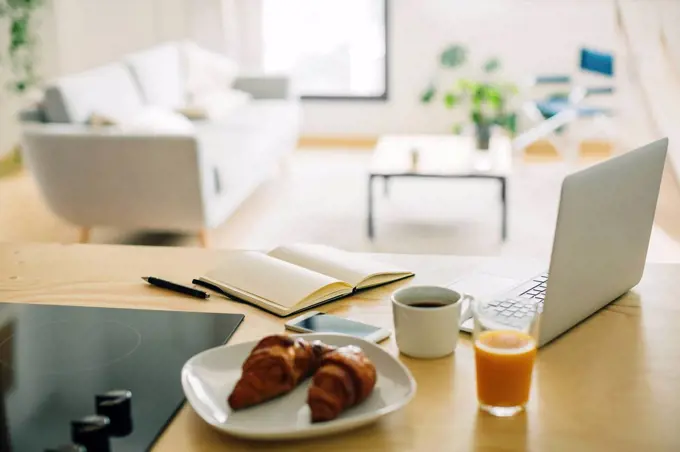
pixel 18 60
pixel 485 98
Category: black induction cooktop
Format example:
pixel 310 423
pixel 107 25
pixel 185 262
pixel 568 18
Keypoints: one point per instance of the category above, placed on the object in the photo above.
pixel 110 377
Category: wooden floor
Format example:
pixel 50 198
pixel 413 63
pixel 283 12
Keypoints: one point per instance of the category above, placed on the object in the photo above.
pixel 445 218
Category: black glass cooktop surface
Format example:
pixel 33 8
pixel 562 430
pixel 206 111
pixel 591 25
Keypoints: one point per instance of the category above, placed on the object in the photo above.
pixel 60 364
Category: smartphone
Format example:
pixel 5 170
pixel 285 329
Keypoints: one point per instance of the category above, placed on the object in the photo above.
pixel 319 322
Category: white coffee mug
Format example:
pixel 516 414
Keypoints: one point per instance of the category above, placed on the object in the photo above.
pixel 424 331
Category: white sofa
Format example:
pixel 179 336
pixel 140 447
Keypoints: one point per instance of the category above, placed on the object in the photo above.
pixel 102 176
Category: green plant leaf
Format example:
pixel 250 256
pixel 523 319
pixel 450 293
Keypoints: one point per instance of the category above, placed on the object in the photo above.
pixel 453 56
pixel 511 123
pixel 19 86
pixel 508 122
pixel 457 128
pixel 491 65
pixel 467 85
pixel 477 117
pixel 22 42
pixel 479 95
pixel 494 97
pixel 18 33
pixel 429 93
pixel 450 100
pixel 17 5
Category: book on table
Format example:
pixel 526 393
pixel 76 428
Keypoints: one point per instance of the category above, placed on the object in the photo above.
pixel 296 277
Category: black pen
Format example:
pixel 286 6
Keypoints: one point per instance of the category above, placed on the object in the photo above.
pixel 163 284
pixel 215 288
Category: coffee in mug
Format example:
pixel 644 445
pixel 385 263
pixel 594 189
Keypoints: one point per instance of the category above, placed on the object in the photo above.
pixel 428 304
pixel 427 320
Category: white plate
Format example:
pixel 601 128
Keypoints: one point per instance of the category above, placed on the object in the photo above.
pixel 209 377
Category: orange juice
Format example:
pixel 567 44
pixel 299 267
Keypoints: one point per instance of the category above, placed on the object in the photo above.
pixel 504 360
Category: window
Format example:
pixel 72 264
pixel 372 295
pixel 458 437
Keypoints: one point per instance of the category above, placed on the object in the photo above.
pixel 335 49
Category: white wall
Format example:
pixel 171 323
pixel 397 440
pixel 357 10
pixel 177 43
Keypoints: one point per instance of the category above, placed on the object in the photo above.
pixel 94 32
pixel 530 37
pixel 91 33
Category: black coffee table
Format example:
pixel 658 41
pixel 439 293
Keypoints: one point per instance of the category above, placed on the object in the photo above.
pixel 439 157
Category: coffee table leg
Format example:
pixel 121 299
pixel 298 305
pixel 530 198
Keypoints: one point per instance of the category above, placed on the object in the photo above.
pixel 370 206
pixel 504 207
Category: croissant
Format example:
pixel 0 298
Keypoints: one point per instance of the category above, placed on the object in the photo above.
pixel 345 378
pixel 274 367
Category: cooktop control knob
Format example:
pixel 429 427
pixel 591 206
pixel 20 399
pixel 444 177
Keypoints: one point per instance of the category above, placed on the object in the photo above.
pixel 92 432
pixel 117 406
pixel 68 448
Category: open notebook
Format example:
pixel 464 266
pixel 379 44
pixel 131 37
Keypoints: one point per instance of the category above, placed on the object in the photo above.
pixel 292 278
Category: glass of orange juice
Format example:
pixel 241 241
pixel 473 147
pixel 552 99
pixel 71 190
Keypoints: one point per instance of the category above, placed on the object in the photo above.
pixel 505 349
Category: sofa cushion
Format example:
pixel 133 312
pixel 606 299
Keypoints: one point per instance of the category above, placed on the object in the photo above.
pixel 207 72
pixel 108 91
pixel 222 103
pixel 155 119
pixel 271 117
pixel 160 75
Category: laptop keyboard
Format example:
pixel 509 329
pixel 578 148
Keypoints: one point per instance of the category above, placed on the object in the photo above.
pixel 517 307
pixel 538 291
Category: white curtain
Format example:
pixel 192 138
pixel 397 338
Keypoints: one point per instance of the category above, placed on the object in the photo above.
pixel 669 12
pixel 231 27
pixel 651 59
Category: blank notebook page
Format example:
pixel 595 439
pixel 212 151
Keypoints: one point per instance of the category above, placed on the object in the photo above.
pixel 269 278
pixel 345 266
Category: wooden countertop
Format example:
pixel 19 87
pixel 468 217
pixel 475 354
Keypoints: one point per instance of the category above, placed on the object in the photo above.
pixel 612 383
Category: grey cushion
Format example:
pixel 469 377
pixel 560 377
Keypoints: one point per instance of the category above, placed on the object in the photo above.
pixel 107 90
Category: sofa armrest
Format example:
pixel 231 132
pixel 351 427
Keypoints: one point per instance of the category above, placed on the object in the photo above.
pixel 85 132
pixel 104 177
pixel 266 86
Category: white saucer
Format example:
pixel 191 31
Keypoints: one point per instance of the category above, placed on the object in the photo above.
pixel 209 377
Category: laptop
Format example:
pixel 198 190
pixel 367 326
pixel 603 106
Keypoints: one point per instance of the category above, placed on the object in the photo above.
pixel 601 239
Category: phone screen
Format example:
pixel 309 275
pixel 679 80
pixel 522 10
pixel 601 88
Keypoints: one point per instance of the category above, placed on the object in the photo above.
pixel 322 323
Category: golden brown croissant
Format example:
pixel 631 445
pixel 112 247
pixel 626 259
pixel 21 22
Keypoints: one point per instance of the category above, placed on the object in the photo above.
pixel 275 366
pixel 345 378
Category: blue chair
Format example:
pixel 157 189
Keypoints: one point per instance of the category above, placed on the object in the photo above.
pixel 553 113
pixel 597 62
pixel 592 61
